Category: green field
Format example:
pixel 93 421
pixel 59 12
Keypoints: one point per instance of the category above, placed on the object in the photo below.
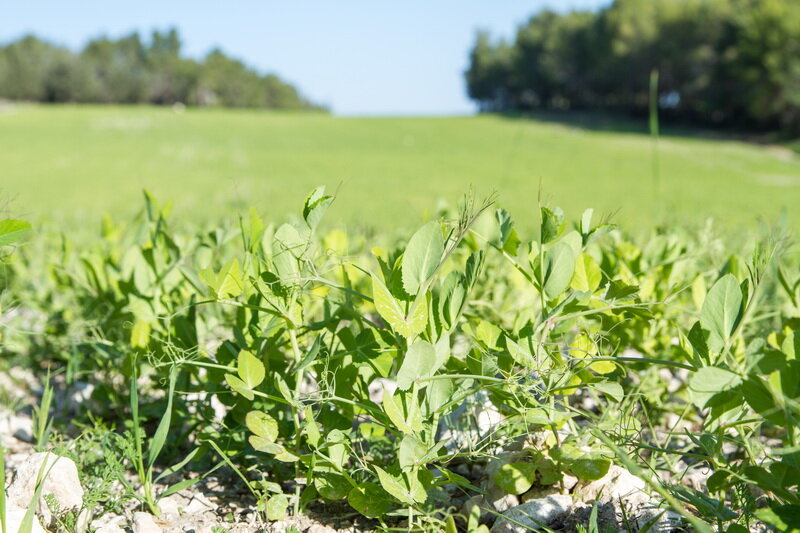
pixel 82 161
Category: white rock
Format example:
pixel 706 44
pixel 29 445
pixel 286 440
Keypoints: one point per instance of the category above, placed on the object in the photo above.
pixel 108 523
pixel 470 423
pixel 14 517
pixel 60 479
pixel 145 523
pixel 377 388
pixel 533 514
pixel 19 425
pixel 319 528
pixel 171 505
pixel 618 484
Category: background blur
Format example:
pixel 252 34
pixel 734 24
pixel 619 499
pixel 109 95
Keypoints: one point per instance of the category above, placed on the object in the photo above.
pixel 654 110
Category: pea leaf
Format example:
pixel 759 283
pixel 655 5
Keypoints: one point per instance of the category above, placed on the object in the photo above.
pixel 552 224
pixel 422 256
pixel 559 264
pixel 262 425
pixel 587 275
pixel 250 369
pixel 315 207
pixel 239 386
pixel 276 506
pixel 611 389
pixel 515 478
pixel 590 467
pixel 402 487
pixel 227 283
pixel 722 307
pixel 408 325
pixel 12 231
pixel 710 381
pixel 369 499
pixel 421 361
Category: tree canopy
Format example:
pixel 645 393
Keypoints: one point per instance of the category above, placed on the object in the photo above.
pixel 721 62
pixel 131 70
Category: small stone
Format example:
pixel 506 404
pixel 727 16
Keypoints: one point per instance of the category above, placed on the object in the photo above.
pixel 533 514
pixel 60 480
pixel 319 528
pixel 14 517
pixel 618 484
pixel 145 523
pixel 171 505
pixel 108 523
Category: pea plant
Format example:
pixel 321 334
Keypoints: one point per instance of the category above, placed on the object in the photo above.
pixel 385 375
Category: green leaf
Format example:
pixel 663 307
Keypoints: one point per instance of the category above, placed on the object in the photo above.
pixel 450 525
pixel 586 465
pixel 521 354
pixel 407 418
pixel 239 386
pixel 262 425
pixel 587 275
pixel 408 325
pixel 396 486
pixel 160 436
pixel 250 369
pixel 559 264
pixel 338 448
pixel 315 207
pixel 722 307
pixel 370 500
pixel 552 224
pixel 710 381
pixel 331 486
pixel 265 445
pixel 411 452
pixel 422 256
pixel 228 283
pixel 590 467
pixel 420 362
pixel 515 478
pixel 12 231
pixel 611 389
pixel 312 428
pixel 287 246
pixel 276 506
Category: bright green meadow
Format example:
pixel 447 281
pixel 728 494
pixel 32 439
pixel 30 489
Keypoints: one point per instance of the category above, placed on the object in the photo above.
pixel 82 161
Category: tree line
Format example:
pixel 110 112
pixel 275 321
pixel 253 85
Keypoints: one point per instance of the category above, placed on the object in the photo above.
pixel 720 62
pixel 133 70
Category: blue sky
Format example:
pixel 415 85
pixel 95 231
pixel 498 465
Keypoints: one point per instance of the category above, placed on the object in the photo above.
pixel 359 57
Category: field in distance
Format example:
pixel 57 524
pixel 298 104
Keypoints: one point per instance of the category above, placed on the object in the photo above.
pixel 76 161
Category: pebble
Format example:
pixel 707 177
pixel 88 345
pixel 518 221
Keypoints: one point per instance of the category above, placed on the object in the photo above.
pixel 60 479
pixel 533 514
pixel 145 523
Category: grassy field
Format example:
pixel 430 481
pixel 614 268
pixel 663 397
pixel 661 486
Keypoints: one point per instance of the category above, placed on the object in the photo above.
pixel 81 161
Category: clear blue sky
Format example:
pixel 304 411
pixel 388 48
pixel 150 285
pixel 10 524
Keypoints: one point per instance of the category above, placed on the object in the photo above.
pixel 357 56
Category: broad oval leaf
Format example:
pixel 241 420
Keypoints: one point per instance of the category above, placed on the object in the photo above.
pixel 559 264
pixel 262 425
pixel 515 478
pixel 722 307
pixel 420 361
pixel 370 500
pixel 422 256
pixel 587 275
pixel 250 369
